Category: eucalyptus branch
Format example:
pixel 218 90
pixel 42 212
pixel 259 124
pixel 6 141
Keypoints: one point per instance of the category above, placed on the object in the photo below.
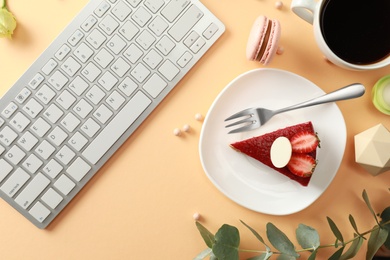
pixel 224 245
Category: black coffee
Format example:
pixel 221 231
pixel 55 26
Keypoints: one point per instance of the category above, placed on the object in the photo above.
pixel 357 31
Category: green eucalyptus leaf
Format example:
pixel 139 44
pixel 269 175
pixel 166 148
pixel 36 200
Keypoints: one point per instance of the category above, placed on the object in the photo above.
pixel 385 215
pixel 353 223
pixel 377 238
pixel 207 236
pixel 368 203
pixel 307 237
pixel 313 255
pixel 353 249
pixel 286 257
pixel 257 235
pixel 337 254
pixel 280 241
pixel 202 255
pixel 264 256
pixel 335 230
pixel 227 240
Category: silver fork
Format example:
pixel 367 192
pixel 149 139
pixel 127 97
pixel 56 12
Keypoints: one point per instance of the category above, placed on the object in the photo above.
pixel 256 117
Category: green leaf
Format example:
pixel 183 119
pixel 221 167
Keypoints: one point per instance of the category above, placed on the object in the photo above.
pixel 353 223
pixel 280 241
pixel 202 255
pixel 307 237
pixel 207 236
pixel 313 255
pixel 368 203
pixel 353 249
pixel 335 230
pixel 385 215
pixel 227 240
pixel 337 254
pixel 257 235
pixel 377 238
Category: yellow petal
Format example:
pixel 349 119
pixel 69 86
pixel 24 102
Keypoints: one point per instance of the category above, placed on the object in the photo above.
pixel 7 23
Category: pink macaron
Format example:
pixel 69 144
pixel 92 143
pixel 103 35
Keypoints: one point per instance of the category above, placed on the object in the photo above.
pixel 263 40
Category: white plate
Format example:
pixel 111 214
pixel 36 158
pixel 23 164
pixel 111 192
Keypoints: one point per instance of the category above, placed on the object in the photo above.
pixel 249 182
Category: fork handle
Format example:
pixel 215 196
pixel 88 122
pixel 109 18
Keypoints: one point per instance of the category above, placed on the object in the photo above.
pixel 348 92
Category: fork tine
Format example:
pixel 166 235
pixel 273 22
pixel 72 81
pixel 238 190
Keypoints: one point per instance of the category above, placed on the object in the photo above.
pixel 245 112
pixel 245 120
pixel 243 129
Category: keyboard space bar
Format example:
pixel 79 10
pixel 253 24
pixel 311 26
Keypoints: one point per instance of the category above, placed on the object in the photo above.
pixel 115 129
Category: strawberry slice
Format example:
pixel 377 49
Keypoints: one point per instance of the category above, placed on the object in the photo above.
pixel 304 142
pixel 302 165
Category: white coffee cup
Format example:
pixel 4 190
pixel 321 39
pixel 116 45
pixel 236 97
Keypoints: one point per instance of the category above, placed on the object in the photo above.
pixel 310 11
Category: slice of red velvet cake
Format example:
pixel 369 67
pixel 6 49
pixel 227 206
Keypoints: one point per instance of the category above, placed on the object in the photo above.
pixel 259 148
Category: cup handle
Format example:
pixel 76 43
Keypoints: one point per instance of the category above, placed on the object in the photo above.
pixel 304 9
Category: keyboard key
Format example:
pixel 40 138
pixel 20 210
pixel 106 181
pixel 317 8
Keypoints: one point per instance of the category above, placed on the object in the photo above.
pixel 174 8
pixel 76 38
pixel 184 59
pixel 52 198
pixel 78 141
pixel 53 168
pixel 108 81
pixel 90 127
pixel 96 39
pixel 140 72
pixel 32 163
pixel 168 70
pixel 83 52
pixel 108 24
pixel 210 31
pixel 78 169
pixel 15 155
pixel 36 80
pixel 62 52
pixel 154 5
pixel 152 59
pixel 57 136
pixel 5 169
pixel 70 122
pixel 158 25
pixel 102 9
pixel 33 108
pixel 134 3
pixel 89 23
pixel 15 182
pixel 58 80
pixel 102 114
pixel 141 16
pixel 115 100
pixel 23 95
pixel 91 72
pixel 121 11
pixel 155 85
pixel 53 113
pixel 32 190
pixel 129 30
pixel 120 67
pixel 65 155
pixel 66 99
pixel 82 108
pixel 45 94
pixel 103 58
pixel 165 45
pixel 145 40
pixel 40 127
pixel 39 212
pixel 110 134
pixel 49 66
pixel 78 86
pixel 45 149
pixel 70 66
pixel 7 136
pixel 95 94
pixel 64 184
pixel 127 86
pixel 185 23
pixel 133 53
pixel 9 110
pixel 27 141
pixel 20 122
pixel 116 44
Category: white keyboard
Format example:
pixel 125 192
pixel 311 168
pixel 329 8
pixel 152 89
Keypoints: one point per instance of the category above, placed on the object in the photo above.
pixel 89 91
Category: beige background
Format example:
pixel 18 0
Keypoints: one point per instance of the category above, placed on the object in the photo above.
pixel 140 205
